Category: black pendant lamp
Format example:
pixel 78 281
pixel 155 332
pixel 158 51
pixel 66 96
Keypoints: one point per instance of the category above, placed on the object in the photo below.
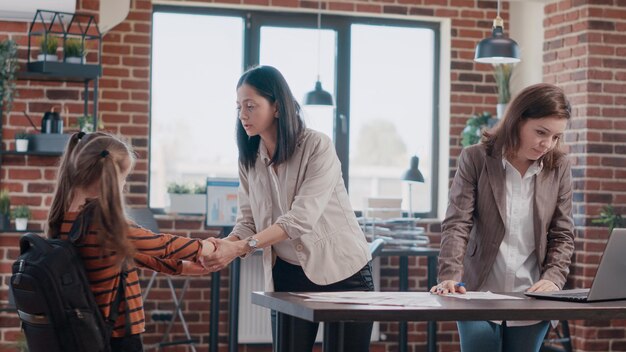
pixel 497 49
pixel 318 96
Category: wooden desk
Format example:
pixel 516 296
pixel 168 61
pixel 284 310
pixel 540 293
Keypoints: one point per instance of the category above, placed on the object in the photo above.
pixel 403 278
pixel 452 309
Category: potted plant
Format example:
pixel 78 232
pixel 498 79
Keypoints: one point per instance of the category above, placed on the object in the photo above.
pixel 609 217
pixel 74 51
pixel 473 131
pixel 502 74
pixel 5 210
pixel 85 124
pixel 21 141
pixel 48 47
pixel 186 199
pixel 8 70
pixel 21 214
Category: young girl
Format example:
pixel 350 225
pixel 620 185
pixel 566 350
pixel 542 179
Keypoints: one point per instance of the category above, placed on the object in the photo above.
pixel 91 178
pixel 509 225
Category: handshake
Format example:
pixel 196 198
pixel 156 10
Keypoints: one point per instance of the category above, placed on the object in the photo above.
pixel 215 255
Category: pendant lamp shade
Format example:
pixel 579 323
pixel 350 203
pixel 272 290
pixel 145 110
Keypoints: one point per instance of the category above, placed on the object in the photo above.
pixel 497 49
pixel 318 96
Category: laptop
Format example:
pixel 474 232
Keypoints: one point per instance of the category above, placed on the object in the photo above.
pixel 608 284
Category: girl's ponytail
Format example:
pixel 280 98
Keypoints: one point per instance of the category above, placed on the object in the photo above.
pixel 62 192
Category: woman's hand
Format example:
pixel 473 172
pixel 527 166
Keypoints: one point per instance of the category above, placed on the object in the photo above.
pixel 225 252
pixel 193 269
pixel 543 286
pixel 448 286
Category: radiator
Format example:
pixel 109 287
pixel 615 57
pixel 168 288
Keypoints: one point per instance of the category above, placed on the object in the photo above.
pixel 255 321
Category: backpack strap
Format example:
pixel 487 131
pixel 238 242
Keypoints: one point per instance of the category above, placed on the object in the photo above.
pixel 80 225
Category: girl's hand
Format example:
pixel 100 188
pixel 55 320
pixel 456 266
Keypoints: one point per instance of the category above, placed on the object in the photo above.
pixel 543 286
pixel 448 286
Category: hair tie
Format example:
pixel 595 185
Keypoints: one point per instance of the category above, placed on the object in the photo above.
pixel 80 135
pixel 104 153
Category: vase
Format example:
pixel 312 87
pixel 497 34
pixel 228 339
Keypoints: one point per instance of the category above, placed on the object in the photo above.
pixel 21 224
pixel 21 145
pixel 47 57
pixel 74 60
pixel 500 110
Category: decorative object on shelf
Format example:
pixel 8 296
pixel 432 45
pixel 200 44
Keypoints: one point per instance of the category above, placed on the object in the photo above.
pixel 21 214
pixel 8 69
pixel 497 49
pixel 473 131
pixel 185 199
pixel 77 32
pixel 5 210
pixel 318 96
pixel 502 73
pixel 74 51
pixel 21 141
pixel 48 45
pixel 610 217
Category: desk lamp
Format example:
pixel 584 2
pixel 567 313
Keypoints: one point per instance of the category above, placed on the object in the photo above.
pixel 412 175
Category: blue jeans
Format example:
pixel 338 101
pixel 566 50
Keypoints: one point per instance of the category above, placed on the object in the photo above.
pixel 291 278
pixel 480 336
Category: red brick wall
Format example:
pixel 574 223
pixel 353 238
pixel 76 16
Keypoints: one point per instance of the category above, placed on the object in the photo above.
pixel 124 106
pixel 584 50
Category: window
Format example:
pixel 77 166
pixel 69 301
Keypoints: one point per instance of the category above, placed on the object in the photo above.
pixel 385 93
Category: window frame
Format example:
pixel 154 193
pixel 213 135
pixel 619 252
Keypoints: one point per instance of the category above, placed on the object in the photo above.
pixel 341 23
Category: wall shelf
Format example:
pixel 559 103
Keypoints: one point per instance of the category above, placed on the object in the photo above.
pixel 13 152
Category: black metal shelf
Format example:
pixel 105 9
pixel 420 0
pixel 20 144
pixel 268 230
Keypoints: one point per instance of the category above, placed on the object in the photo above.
pixel 13 230
pixel 60 71
pixel 13 152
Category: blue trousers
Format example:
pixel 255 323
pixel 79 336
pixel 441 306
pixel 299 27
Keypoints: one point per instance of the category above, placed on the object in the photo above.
pixel 485 336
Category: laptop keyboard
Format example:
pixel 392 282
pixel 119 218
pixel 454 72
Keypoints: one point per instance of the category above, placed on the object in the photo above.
pixel 574 296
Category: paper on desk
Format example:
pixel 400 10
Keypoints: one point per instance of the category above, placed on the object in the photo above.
pixel 407 299
pixel 481 295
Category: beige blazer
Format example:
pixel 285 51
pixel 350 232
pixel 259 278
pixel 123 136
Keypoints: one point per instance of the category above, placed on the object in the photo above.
pixel 328 241
pixel 474 225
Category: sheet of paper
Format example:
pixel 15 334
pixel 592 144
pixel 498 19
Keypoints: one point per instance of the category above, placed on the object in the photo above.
pixel 481 295
pixel 407 299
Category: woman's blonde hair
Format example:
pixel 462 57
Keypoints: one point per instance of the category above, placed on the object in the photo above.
pixel 95 160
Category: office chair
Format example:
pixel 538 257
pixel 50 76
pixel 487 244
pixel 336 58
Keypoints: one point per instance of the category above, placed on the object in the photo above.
pixel 145 218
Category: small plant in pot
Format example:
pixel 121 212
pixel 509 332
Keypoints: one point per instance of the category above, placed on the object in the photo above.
pixel 21 141
pixel 5 210
pixel 611 217
pixel 48 46
pixel 74 50
pixel 21 214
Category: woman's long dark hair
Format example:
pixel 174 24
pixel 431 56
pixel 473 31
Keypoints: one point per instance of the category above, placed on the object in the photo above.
pixel 269 83
pixel 534 102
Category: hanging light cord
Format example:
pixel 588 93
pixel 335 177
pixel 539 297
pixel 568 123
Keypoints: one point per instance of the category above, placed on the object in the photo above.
pixel 498 15
pixel 319 36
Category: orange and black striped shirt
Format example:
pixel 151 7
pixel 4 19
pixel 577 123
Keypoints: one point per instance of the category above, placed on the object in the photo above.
pixel 159 252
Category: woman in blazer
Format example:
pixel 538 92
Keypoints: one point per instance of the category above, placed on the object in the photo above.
pixel 508 227
pixel 293 204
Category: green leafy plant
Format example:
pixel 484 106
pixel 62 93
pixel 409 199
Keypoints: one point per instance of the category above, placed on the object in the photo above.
pixel 178 188
pixel 8 70
pixel 609 217
pixel 5 202
pixel 48 44
pixel 21 212
pixel 74 48
pixel 199 189
pixel 21 134
pixel 85 124
pixel 474 128
pixel 502 74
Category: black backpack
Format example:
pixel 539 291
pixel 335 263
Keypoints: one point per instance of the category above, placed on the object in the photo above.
pixel 53 299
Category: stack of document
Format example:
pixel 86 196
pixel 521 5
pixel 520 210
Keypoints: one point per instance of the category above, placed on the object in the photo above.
pixel 408 299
